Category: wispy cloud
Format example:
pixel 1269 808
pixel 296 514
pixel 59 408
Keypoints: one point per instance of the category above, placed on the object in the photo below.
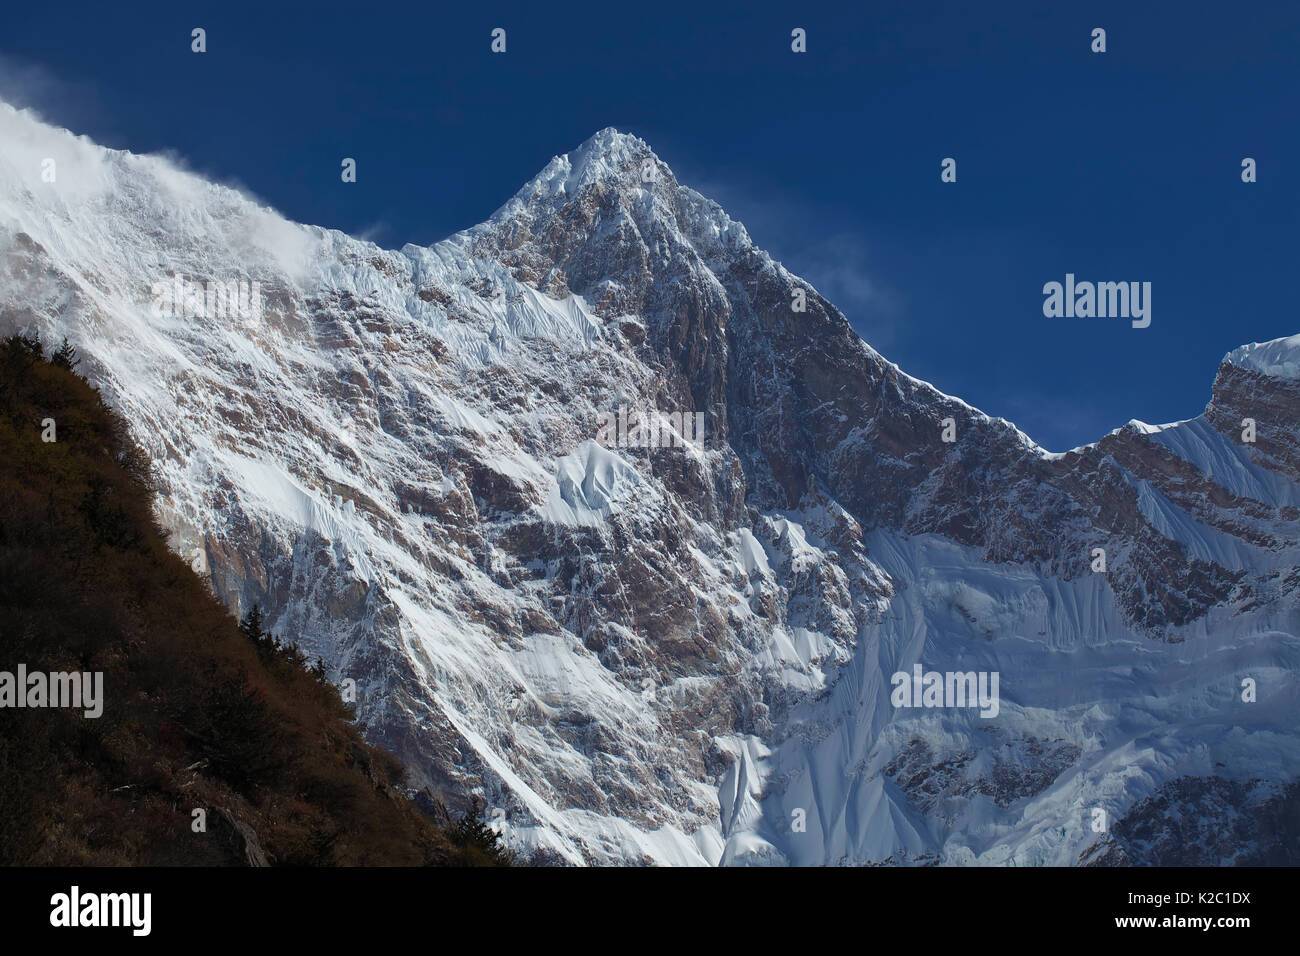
pixel 841 268
pixel 840 263
pixel 30 86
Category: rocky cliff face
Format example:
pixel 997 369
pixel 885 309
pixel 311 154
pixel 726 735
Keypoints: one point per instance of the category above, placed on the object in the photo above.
pixel 677 654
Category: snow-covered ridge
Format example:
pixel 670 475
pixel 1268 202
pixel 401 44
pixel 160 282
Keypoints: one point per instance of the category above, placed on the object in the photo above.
pixel 1278 358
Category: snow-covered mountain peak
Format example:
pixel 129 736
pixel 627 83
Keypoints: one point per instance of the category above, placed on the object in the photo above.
pixel 667 654
pixel 614 181
pixel 607 157
pixel 607 154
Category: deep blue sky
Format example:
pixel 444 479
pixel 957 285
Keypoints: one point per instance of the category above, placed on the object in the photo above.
pixel 1121 166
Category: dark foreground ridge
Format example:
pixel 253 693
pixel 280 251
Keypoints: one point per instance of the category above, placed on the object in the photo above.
pixel 195 714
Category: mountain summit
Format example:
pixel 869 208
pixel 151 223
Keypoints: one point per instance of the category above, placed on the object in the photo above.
pixel 683 653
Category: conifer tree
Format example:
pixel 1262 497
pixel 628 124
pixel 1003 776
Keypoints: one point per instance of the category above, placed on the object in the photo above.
pixel 66 356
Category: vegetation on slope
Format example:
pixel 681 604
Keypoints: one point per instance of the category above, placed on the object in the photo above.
pixel 199 713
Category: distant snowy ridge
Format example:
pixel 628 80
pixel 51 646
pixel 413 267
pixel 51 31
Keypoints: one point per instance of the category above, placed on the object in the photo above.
pixel 1279 358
